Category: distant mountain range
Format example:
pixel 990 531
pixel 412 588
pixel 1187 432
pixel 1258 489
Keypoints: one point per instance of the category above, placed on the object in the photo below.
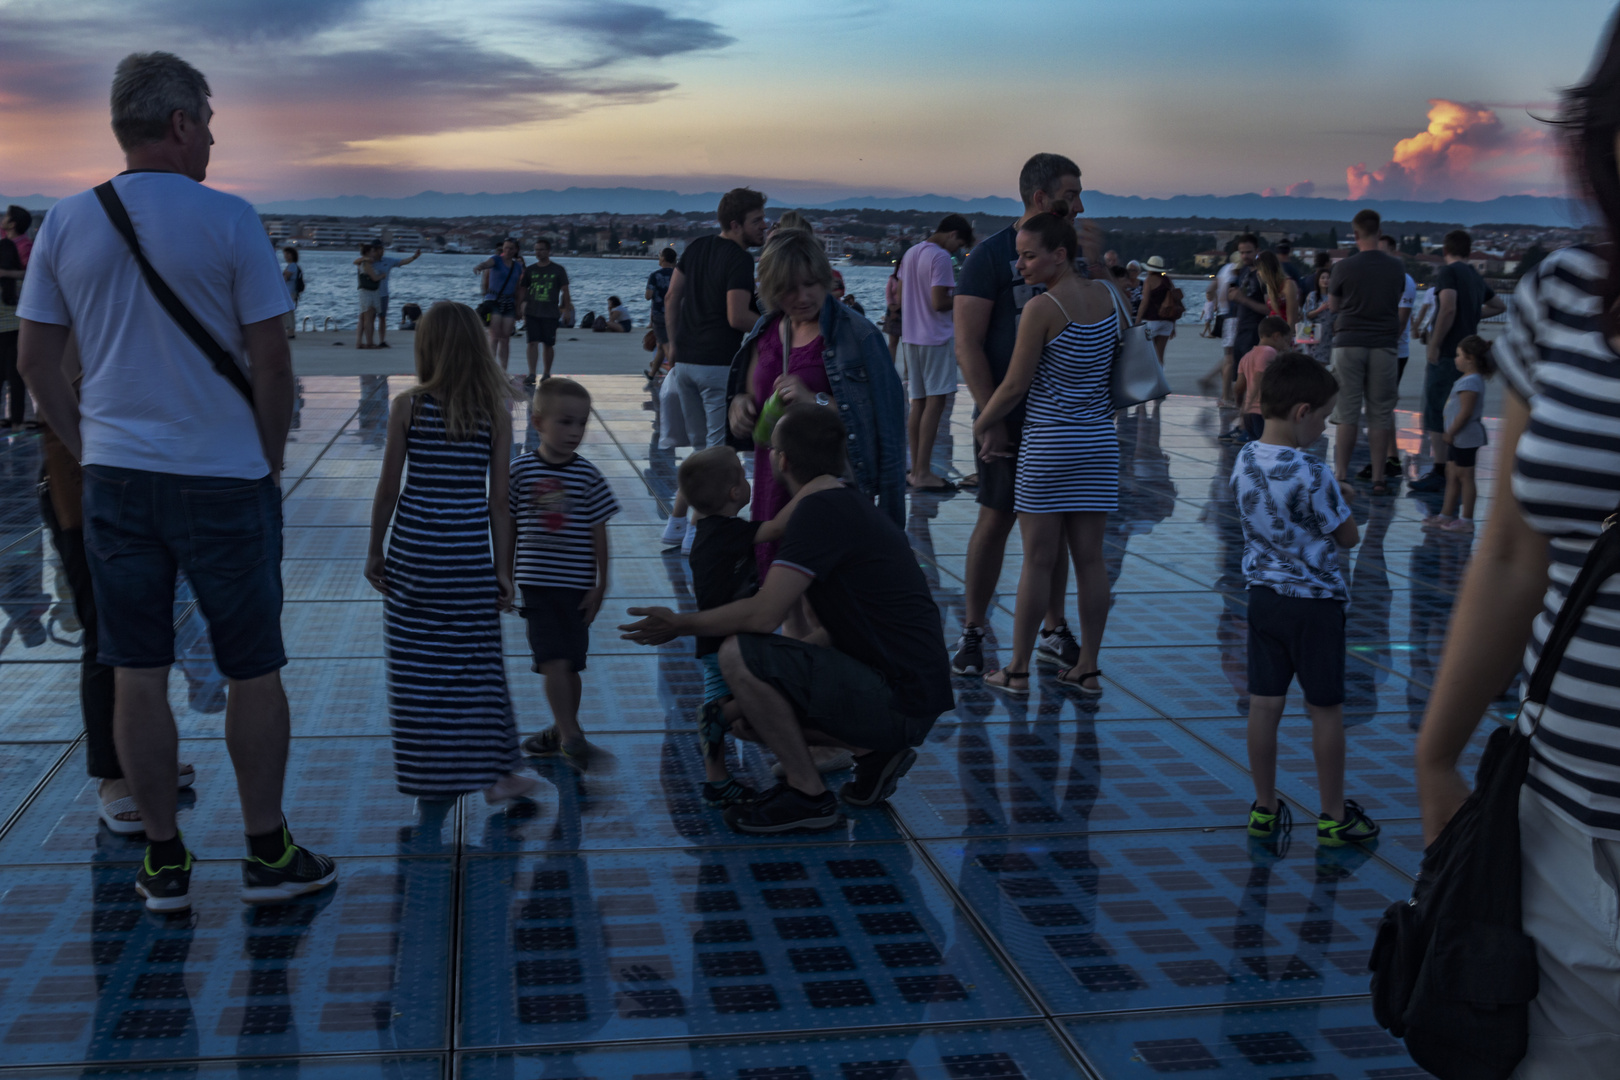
pixel 1508 209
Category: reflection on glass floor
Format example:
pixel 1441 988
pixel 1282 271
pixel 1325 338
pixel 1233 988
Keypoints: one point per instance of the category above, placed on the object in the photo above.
pixel 1061 887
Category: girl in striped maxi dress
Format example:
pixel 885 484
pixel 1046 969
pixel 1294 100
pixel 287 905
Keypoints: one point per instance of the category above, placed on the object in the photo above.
pixel 448 705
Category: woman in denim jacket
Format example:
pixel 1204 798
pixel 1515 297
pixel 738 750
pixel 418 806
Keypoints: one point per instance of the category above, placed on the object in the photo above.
pixel 847 360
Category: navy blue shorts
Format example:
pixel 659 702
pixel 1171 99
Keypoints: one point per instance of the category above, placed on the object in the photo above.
pixel 1293 636
pixel 556 627
pixel 141 529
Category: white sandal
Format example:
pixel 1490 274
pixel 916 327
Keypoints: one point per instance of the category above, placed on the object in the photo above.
pixel 109 816
pixel 509 787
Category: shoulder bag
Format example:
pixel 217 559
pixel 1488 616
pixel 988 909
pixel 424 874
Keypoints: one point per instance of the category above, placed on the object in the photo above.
pixel 1137 375
pixel 223 362
pixel 1453 972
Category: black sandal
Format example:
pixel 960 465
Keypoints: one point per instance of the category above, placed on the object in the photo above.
pixel 1007 687
pixel 1078 682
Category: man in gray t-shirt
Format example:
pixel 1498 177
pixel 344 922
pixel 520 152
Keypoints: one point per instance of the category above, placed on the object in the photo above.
pixel 1365 297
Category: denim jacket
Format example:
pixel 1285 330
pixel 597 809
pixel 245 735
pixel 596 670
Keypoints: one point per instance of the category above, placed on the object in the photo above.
pixel 870 400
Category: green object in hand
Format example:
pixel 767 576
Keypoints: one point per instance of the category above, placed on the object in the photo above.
pixel 769 414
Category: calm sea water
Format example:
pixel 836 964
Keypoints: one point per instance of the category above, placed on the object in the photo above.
pixel 331 285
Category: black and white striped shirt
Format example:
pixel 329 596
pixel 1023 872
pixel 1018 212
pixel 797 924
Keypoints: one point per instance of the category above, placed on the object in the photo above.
pixel 555 507
pixel 1566 477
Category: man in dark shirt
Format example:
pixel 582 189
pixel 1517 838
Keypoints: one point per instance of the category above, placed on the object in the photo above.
pixel 543 295
pixel 657 288
pixel 1461 299
pixel 1365 295
pixel 1248 298
pixel 990 295
pixel 881 678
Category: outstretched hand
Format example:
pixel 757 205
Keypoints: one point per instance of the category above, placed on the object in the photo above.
pixel 656 626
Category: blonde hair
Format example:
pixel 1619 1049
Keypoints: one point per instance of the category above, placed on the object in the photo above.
pixel 553 390
pixel 794 220
pixel 791 257
pixel 1269 269
pixel 453 363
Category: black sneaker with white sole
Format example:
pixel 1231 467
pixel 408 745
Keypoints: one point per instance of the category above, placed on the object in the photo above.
pixel 298 872
pixel 969 657
pixel 167 889
pixel 1057 646
pixel 876 775
pixel 783 809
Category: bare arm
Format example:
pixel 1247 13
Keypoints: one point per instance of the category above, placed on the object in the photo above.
pixel 761 613
pixel 1445 314
pixel 1494 306
pixel 1034 331
pixel 40 351
pixel 1347 535
pixel 384 502
pixel 273 387
pixel 737 313
pixel 672 310
pixel 1502 592
pixel 502 529
pixel 941 296
pixel 591 603
pixel 485 265
pixel 412 258
pixel 1291 302
pixel 1404 320
pixel 972 319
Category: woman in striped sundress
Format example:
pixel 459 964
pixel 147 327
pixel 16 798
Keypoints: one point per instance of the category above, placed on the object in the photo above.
pixel 1068 455
pixel 448 705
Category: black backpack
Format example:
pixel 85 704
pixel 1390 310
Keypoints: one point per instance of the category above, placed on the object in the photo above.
pixel 1453 972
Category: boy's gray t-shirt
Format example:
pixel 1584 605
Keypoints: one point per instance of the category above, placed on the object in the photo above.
pixel 1472 434
pixel 1289 504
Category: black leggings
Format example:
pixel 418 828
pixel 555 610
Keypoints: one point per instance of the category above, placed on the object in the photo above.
pixel 95 678
pixel 11 377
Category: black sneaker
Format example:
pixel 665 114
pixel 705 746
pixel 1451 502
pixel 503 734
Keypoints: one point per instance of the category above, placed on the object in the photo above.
pixel 969 658
pixel 1431 484
pixel 876 775
pixel 728 792
pixel 1058 646
pixel 167 888
pixel 297 872
pixel 784 808
pixel 1269 824
pixel 1356 828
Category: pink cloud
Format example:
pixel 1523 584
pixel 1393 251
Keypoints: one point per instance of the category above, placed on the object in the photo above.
pixel 1304 189
pixel 1465 152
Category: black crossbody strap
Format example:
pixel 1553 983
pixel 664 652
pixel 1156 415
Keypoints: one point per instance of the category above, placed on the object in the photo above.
pixel 1602 562
pixel 223 362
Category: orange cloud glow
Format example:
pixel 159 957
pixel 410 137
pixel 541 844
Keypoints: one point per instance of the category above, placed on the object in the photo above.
pixel 1464 153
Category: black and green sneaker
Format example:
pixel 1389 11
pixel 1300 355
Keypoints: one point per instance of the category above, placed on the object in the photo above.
pixel 1356 828
pixel 1270 824
pixel 728 792
pixel 167 889
pixel 549 743
pixel 297 872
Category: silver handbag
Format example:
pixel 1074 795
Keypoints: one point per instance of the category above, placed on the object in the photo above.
pixel 1137 376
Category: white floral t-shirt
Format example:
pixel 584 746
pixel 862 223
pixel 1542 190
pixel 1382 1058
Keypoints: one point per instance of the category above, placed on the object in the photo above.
pixel 1289 504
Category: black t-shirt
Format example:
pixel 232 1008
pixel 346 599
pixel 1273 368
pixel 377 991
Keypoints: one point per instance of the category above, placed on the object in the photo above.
pixel 11 259
pixel 871 597
pixel 1249 284
pixel 723 567
pixel 658 282
pixel 712 267
pixel 1472 294
pixel 542 291
pixel 990 275
pixel 1369 285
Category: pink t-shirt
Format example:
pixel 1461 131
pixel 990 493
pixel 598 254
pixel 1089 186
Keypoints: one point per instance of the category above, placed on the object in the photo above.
pixel 923 267
pixel 1251 367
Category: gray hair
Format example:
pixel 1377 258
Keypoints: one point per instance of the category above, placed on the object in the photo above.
pixel 147 88
pixel 1042 173
pixel 791 258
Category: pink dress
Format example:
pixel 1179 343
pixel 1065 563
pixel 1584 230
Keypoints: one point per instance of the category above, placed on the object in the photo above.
pixel 806 363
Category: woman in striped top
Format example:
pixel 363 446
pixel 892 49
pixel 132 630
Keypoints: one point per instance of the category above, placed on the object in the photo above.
pixel 1068 455
pixel 1561 434
pixel 448 705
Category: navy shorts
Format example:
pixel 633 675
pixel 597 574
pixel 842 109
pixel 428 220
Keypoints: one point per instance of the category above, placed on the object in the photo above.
pixel 556 627
pixel 141 529
pixel 541 329
pixel 832 692
pixel 660 330
pixel 1463 456
pixel 997 480
pixel 1293 636
pixel 1438 379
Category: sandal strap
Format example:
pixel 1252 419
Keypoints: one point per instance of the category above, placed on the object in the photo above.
pixel 125 805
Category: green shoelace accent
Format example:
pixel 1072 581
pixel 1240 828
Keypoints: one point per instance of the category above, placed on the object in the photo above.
pixel 286 856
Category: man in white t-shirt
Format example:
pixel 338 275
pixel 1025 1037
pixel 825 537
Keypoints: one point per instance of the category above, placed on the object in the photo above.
pixel 181 469
pixel 927 341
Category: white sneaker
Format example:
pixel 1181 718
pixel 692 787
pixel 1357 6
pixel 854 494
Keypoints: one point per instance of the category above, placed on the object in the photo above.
pixel 674 530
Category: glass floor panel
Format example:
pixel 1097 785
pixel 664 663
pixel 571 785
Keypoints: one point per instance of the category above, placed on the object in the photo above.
pixel 1061 887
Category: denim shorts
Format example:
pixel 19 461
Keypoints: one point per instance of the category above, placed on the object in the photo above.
pixel 141 529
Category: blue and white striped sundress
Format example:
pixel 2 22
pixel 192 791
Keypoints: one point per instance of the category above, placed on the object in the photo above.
pixel 1068 455
pixel 448 704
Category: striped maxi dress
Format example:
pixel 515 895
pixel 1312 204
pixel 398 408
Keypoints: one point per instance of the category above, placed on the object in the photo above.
pixel 448 703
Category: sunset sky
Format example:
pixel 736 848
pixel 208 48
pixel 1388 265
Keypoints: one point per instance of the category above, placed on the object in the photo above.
pixel 1368 98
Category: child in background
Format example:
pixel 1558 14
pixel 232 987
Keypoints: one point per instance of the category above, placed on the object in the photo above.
pixel 1294 521
pixel 1275 337
pixel 723 570
pixel 562 505
pixel 1466 434
pixel 448 703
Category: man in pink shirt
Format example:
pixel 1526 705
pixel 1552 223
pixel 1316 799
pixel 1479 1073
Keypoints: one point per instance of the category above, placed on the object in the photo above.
pixel 927 346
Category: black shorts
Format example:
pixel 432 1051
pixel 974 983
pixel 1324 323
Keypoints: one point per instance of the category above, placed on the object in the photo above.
pixel 1293 636
pixel 541 329
pixel 997 479
pixel 660 331
pixel 1463 457
pixel 1254 425
pixel 833 692
pixel 556 627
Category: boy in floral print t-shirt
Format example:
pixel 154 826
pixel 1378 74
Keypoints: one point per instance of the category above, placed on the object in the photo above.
pixel 1294 521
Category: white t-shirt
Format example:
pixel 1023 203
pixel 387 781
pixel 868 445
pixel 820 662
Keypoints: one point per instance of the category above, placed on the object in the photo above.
pixel 921 268
pixel 150 399
pixel 1224 278
pixel 1289 504
pixel 1403 346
